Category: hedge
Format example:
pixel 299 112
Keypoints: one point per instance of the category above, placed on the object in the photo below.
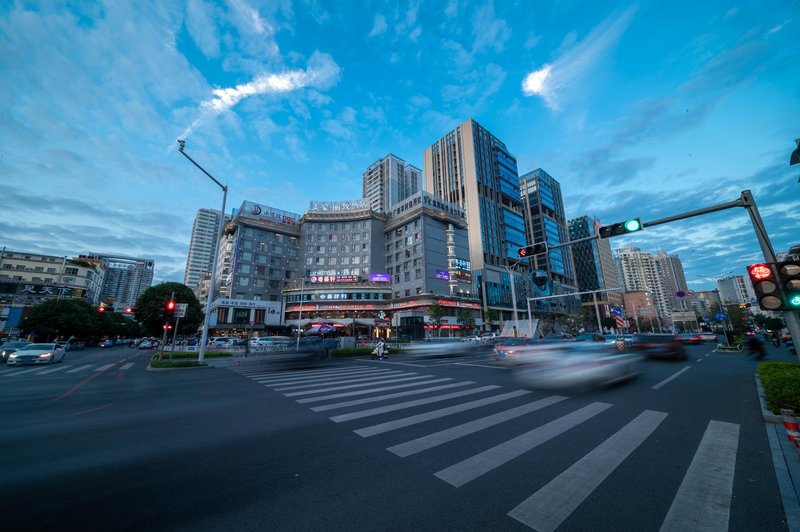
pixel 176 364
pixel 352 352
pixel 193 354
pixel 781 382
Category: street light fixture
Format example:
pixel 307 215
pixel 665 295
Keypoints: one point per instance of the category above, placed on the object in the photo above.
pixel 207 318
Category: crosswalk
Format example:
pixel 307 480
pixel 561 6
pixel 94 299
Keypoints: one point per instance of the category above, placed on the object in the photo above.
pixel 62 369
pixel 358 392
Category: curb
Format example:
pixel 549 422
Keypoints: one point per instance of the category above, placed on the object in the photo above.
pixel 150 368
pixel 768 416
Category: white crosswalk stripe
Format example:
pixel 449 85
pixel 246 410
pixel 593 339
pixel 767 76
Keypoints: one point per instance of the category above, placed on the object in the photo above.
pixel 103 368
pixel 349 380
pixel 546 509
pixel 410 404
pixel 471 468
pixel 436 414
pixel 18 372
pixel 438 438
pixel 129 365
pixel 81 368
pixel 703 501
pixel 351 386
pixel 277 375
pixel 52 370
pixel 380 397
pixel 328 376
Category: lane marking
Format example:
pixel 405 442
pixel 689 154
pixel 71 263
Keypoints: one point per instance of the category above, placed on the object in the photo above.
pixel 45 372
pixel 462 472
pixel 287 382
pixel 398 363
pixel 443 436
pixel 129 365
pixel 22 372
pixel 708 355
pixel 338 374
pixel 351 386
pixel 674 376
pixel 380 428
pixel 699 360
pixel 546 509
pixel 393 395
pixel 481 365
pixel 104 368
pixel 410 404
pixel 327 382
pixel 371 390
pixel 703 501
pixel 270 372
pixel 87 366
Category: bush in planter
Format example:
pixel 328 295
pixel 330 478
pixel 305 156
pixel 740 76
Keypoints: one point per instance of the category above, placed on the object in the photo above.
pixel 352 352
pixel 781 382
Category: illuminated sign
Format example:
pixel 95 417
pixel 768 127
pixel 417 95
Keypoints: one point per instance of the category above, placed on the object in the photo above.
pixel 262 212
pixel 462 264
pixel 463 276
pixel 380 278
pixel 441 274
pixel 334 279
pixel 345 205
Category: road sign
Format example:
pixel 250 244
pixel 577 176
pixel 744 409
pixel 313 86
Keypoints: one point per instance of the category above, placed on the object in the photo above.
pixel 616 311
pixel 180 310
pixel 720 316
pixel 680 293
pixel 620 322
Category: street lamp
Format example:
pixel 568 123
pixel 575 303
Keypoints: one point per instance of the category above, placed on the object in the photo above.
pixel 207 317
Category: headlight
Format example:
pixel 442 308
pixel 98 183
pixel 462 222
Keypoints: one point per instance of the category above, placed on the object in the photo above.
pixel 45 355
pixel 12 355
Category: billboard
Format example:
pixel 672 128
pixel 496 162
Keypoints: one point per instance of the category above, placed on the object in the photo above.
pixel 380 278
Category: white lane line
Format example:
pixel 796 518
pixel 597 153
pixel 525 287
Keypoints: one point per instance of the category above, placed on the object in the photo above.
pixel 410 404
pixel 699 360
pixel 373 390
pixel 129 365
pixel 52 370
pixel 462 472
pixel 23 371
pixel 380 428
pixel 481 365
pixel 338 375
pixel 87 366
pixel 327 382
pixel 398 363
pixel 351 386
pixel 703 501
pixel 438 438
pixel 709 354
pixel 392 395
pixel 103 368
pixel 546 509
pixel 674 376
pixel 266 372
pixel 297 374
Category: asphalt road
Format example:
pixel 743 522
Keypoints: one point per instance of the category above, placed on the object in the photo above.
pixel 401 444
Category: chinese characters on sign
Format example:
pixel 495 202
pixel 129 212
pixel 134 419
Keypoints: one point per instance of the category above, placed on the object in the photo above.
pixel 462 264
pixel 441 274
pixel 380 278
pixel 334 278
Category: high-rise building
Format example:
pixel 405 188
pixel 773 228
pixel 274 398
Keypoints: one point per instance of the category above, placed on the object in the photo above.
pixel 201 248
pixel 736 290
pixel 638 272
pixel 670 269
pixel 706 301
pixel 594 264
pixel 546 222
pixel 473 169
pixel 388 181
pixel 126 278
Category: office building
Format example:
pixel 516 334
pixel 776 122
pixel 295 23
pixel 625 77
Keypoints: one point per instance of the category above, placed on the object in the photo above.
pixel 736 290
pixel 638 272
pixel 471 168
pixel 543 207
pixel 594 265
pixel 205 232
pixel 670 269
pixel 126 278
pixel 388 181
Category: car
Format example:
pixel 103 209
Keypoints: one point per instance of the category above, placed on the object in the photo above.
pixel 37 354
pixel 590 337
pixel 708 336
pixel 473 338
pixel 223 341
pixel 271 343
pixel 688 338
pixel 106 344
pixel 660 346
pixel 508 350
pixel 10 347
pixel 145 344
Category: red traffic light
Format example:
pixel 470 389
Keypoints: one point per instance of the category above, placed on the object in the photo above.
pixel 166 327
pixel 129 310
pixel 101 309
pixel 170 305
pixel 759 272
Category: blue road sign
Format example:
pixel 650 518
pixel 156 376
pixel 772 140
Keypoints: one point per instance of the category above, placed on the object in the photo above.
pixel 720 316
pixel 616 311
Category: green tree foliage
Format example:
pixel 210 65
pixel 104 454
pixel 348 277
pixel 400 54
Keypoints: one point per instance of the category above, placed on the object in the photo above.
pixel 63 317
pixel 609 323
pixel 466 319
pixel 773 324
pixel 437 313
pixel 491 316
pixel 151 305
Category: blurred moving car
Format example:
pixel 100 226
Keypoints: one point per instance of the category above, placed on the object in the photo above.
pixel 660 346
pixel 106 344
pixel 271 343
pixel 579 366
pixel 590 337
pixel 688 338
pixel 10 347
pixel 37 354
pixel 708 336
pixel 442 348
pixel 509 349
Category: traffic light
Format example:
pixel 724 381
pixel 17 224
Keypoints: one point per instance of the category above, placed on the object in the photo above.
pixel 765 284
pixel 534 249
pixel 101 309
pixel 129 310
pixel 170 306
pixel 622 228
pixel 789 283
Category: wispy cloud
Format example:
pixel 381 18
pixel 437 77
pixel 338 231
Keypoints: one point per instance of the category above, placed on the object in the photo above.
pixel 777 28
pixel 551 80
pixel 321 73
pixel 379 26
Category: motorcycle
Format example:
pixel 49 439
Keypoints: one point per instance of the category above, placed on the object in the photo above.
pixel 380 353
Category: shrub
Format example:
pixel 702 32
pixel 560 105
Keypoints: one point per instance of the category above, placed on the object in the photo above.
pixel 352 352
pixel 781 382
pixel 193 354
pixel 176 364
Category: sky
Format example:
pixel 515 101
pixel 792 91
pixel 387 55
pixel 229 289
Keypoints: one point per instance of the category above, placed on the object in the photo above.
pixel 645 109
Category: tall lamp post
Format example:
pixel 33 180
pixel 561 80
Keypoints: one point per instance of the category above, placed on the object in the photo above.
pixel 207 318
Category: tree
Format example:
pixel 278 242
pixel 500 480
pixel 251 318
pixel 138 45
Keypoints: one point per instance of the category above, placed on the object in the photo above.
pixel 773 324
pixel 466 319
pixel 437 313
pixel 62 317
pixel 491 317
pixel 609 323
pixel 151 305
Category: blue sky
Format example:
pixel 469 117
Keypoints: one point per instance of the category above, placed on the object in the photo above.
pixel 646 109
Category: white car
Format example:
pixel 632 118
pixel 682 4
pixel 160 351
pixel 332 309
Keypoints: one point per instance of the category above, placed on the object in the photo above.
pixel 37 354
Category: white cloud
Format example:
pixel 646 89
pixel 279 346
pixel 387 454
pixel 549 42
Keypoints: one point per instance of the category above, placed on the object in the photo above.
pixel 378 26
pixel 452 9
pixel 202 28
pixel 253 20
pixel 550 81
pixel 414 35
pixel 777 28
pixel 732 12
pixel 489 32
pixel 531 41
pixel 322 72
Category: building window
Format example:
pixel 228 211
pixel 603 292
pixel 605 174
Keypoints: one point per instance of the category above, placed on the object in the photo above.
pixel 70 271
pixel 408 293
pixel 406 276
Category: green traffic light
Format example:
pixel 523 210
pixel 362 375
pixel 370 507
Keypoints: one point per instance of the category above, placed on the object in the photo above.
pixel 794 301
pixel 632 225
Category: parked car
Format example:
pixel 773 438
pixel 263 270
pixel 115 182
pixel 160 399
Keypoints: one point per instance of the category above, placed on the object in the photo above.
pixel 688 338
pixel 660 346
pixel 37 354
pixel 10 347
pixel 145 344
pixel 223 341
pixel 708 336
pixel 106 344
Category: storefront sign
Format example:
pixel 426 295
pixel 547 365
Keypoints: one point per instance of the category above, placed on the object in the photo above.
pixel 442 274
pixel 334 278
pixel 462 264
pixel 380 278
